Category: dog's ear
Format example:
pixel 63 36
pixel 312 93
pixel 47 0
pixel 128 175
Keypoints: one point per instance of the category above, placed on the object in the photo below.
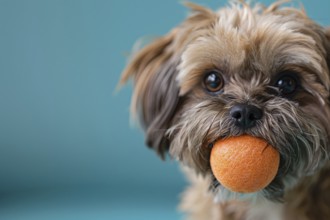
pixel 153 70
pixel 156 94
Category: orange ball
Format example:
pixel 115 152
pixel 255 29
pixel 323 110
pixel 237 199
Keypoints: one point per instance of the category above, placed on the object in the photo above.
pixel 244 163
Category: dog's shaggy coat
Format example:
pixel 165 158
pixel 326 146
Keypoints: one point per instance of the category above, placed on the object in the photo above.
pixel 251 49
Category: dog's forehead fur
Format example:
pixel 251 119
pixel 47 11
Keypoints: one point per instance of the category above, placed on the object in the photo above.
pixel 254 43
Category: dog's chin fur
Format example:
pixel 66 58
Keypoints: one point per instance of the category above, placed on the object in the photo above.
pixel 251 47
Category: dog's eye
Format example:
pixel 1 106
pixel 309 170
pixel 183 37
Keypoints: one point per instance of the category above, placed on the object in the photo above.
pixel 213 82
pixel 287 83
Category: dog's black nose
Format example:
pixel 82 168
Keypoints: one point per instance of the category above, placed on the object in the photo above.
pixel 245 116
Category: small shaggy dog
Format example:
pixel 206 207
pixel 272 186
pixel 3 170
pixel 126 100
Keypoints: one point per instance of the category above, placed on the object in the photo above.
pixel 270 64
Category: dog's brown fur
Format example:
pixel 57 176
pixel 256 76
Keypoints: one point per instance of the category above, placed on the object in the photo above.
pixel 250 46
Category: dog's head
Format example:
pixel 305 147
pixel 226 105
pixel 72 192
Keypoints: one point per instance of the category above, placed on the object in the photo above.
pixel 240 70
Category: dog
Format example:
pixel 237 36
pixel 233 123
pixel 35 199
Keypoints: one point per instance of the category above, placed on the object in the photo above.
pixel 269 64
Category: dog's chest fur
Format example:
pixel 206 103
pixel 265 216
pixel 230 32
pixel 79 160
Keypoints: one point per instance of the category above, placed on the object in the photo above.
pixel 309 200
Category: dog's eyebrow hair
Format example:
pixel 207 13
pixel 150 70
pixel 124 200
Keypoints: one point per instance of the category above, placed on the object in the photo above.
pixel 301 70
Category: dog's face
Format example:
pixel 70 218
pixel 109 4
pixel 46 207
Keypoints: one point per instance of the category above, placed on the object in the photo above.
pixel 241 70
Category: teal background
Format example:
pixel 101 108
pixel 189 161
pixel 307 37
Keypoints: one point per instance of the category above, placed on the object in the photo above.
pixel 67 150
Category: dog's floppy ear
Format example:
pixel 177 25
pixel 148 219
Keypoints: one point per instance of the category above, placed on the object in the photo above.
pixel 153 70
pixel 156 94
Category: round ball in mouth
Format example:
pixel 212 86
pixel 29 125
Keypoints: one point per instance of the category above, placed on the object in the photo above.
pixel 244 163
